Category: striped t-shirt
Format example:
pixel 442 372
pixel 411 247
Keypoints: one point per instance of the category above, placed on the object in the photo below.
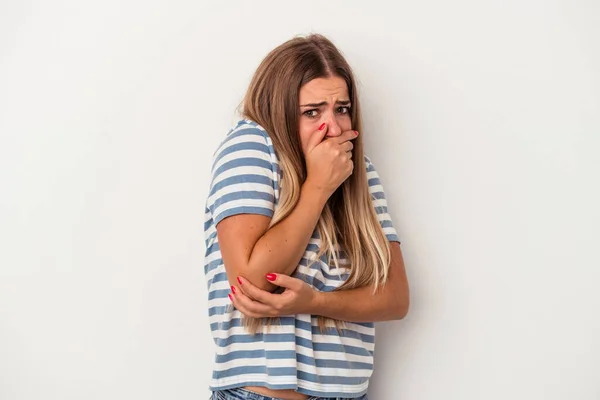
pixel 293 354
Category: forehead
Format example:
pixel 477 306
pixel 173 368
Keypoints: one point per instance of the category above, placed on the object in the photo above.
pixel 323 89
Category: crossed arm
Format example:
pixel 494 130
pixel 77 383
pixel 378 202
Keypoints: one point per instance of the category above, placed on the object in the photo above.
pixel 391 302
pixel 248 250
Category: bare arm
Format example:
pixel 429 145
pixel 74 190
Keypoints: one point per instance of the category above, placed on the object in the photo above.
pixel 353 305
pixel 391 302
pixel 250 249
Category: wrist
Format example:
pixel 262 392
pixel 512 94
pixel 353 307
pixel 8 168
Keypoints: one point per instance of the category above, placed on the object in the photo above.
pixel 315 192
pixel 317 303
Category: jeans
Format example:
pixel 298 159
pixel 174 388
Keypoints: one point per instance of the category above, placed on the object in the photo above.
pixel 243 394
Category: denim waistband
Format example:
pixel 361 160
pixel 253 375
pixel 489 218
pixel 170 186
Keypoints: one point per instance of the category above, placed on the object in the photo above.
pixel 244 394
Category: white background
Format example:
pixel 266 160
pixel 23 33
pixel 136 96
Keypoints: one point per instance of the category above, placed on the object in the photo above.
pixel 481 117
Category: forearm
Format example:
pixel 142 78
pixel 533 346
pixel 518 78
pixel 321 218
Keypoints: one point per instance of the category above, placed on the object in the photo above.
pixel 280 249
pixel 391 301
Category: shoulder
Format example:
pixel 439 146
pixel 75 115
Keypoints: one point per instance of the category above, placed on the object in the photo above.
pixel 248 130
pixel 245 139
pixel 368 163
pixel 371 171
pixel 373 178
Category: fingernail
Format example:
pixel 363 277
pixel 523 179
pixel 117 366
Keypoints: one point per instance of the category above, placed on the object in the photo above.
pixel 271 277
pixel 230 298
pixel 356 133
pixel 239 280
pixel 233 289
pixel 322 126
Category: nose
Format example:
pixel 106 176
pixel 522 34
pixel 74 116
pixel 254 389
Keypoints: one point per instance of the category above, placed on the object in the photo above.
pixel 333 128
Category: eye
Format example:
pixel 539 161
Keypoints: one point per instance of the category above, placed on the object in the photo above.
pixel 343 110
pixel 311 113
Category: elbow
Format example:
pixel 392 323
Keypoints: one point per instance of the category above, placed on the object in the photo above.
pixel 260 282
pixel 258 278
pixel 255 278
pixel 403 309
pixel 401 305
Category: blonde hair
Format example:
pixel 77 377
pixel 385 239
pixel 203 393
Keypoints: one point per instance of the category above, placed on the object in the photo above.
pixel 348 221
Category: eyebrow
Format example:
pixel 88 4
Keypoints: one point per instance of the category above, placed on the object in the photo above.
pixel 340 102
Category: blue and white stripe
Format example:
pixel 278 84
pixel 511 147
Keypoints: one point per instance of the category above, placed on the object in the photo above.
pixel 294 354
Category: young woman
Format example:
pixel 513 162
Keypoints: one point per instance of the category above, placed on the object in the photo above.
pixel 301 253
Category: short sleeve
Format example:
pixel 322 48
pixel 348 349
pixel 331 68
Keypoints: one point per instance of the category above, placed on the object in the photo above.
pixel 242 175
pixel 380 202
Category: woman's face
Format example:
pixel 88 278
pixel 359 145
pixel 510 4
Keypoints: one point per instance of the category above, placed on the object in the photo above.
pixel 324 100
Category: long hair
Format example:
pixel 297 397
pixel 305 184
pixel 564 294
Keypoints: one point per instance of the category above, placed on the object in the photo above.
pixel 348 225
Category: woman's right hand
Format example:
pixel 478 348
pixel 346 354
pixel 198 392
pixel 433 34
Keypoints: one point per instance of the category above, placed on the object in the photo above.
pixel 329 162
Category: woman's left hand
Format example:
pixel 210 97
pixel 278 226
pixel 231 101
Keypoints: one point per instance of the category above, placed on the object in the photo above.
pixel 298 298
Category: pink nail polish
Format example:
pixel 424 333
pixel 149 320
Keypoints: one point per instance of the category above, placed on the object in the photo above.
pixel 233 289
pixel 239 280
pixel 271 277
pixel 322 126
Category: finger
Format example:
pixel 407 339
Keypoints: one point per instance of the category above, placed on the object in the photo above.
pixel 255 293
pixel 345 136
pixel 347 146
pixel 317 137
pixel 285 281
pixel 250 307
pixel 241 308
